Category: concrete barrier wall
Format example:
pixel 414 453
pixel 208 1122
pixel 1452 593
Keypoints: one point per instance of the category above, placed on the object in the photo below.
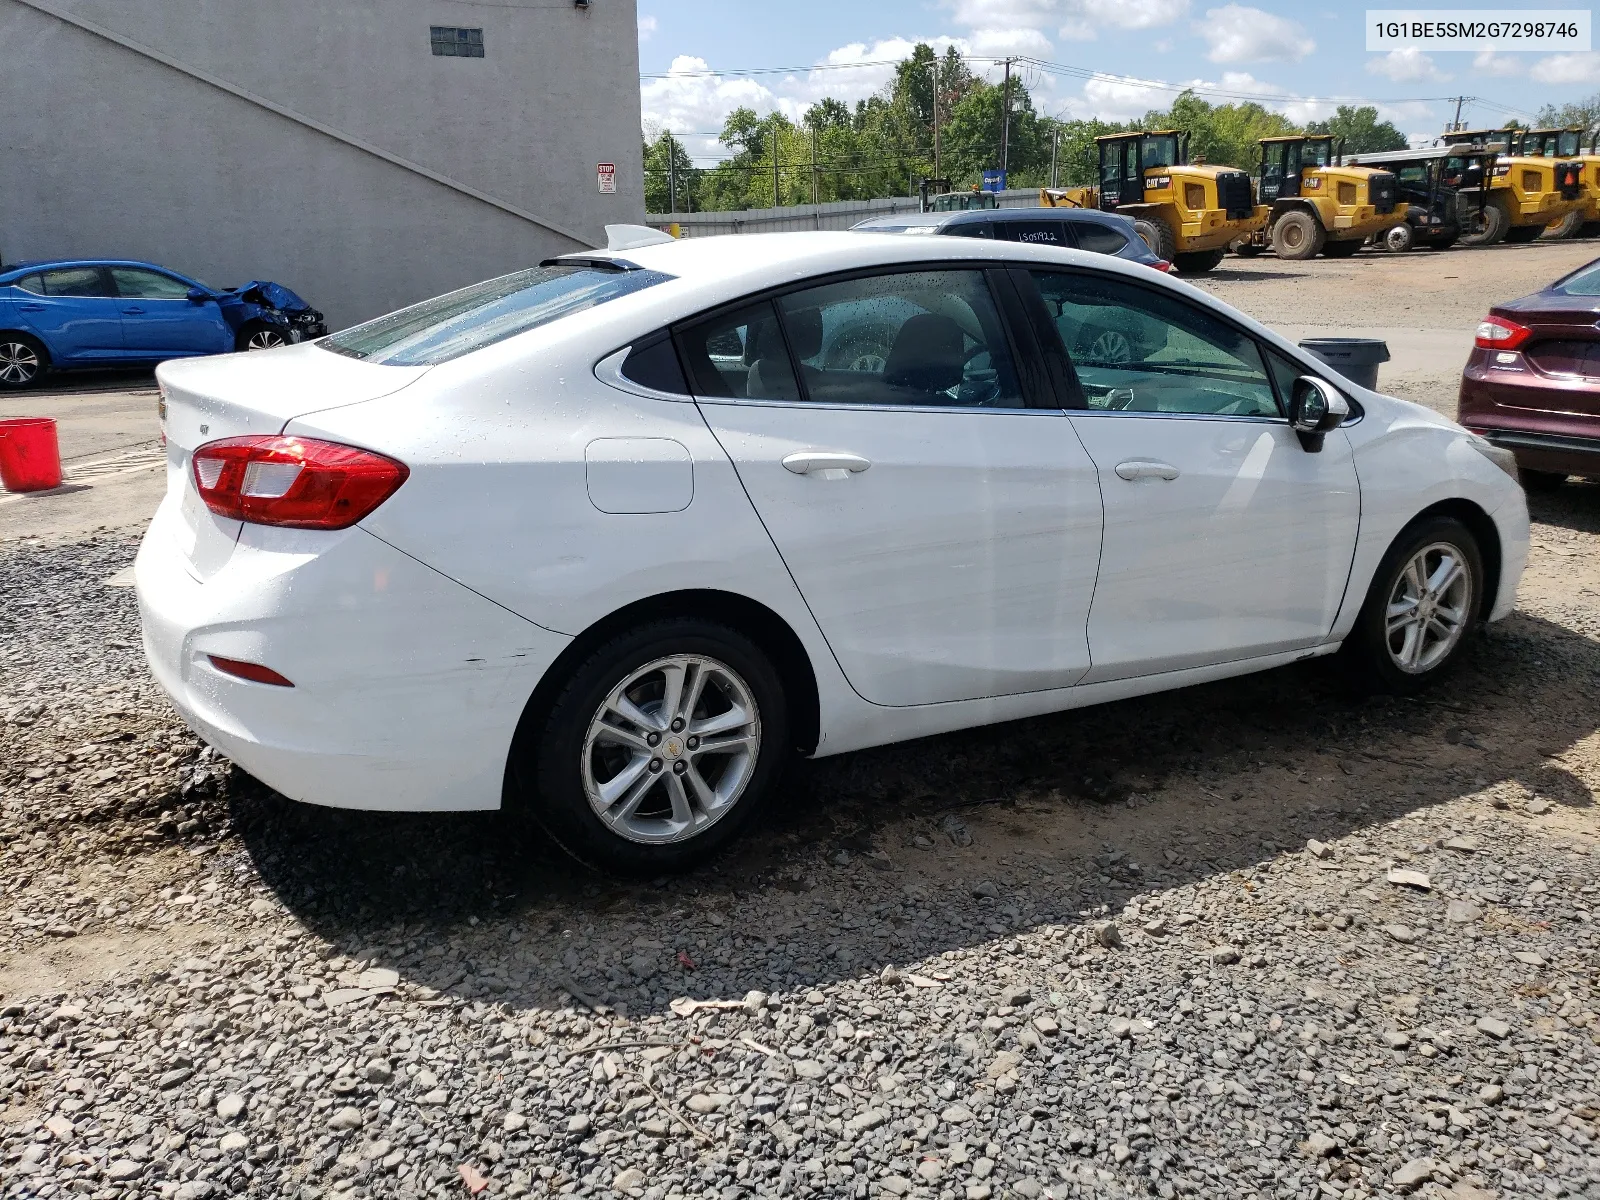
pixel 840 214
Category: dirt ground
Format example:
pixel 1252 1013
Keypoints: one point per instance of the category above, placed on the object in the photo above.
pixel 125 850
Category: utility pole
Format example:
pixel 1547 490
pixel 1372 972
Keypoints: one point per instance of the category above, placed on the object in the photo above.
pixel 672 175
pixel 936 172
pixel 814 164
pixel 777 200
pixel 1456 124
pixel 1055 153
pixel 1005 122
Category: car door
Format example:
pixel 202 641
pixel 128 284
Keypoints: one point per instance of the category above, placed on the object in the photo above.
pixel 942 525
pixel 74 312
pixel 1225 538
pixel 160 321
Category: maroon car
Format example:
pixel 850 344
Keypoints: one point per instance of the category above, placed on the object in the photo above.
pixel 1532 384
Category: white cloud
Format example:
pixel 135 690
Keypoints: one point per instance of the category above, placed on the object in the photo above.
pixel 693 105
pixel 1487 62
pixel 647 28
pixel 1406 66
pixel 1135 14
pixel 1026 22
pixel 1237 33
pixel 1568 68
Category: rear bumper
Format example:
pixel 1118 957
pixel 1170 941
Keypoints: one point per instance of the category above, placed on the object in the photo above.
pixel 408 686
pixel 1531 415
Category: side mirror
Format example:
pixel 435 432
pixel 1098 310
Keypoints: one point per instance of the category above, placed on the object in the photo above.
pixel 199 296
pixel 1315 408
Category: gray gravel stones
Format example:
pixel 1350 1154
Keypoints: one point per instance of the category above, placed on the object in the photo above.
pixel 297 1028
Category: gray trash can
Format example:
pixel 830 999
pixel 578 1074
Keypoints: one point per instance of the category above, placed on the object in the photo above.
pixel 1357 359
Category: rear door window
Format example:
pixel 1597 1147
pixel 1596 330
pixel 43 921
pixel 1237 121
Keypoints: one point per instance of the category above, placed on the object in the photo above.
pixel 1101 239
pixel 76 281
pixel 740 355
pixel 1040 233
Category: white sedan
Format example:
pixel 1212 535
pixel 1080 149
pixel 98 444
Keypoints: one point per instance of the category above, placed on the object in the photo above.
pixel 607 540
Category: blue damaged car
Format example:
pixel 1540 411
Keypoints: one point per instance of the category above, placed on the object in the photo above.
pixel 76 313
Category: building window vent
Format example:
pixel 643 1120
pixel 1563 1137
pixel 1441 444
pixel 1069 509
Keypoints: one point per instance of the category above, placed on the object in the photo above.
pixel 449 41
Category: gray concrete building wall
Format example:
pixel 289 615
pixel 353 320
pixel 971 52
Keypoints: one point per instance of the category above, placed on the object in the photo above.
pixel 320 145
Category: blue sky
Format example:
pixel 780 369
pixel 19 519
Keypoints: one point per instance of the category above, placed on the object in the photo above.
pixel 1287 55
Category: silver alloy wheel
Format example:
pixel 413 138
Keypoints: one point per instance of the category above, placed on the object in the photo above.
pixel 671 750
pixel 19 363
pixel 1110 347
pixel 1430 606
pixel 266 339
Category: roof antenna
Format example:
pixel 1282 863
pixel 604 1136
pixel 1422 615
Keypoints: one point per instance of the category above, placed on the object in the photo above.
pixel 629 237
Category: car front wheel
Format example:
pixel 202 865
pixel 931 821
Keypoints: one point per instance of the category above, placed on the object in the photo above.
pixel 260 337
pixel 664 745
pixel 1424 601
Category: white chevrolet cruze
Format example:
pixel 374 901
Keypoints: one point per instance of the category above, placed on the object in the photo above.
pixel 607 540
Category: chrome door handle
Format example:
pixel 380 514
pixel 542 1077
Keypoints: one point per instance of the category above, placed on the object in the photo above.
pixel 30 308
pixel 805 462
pixel 1139 468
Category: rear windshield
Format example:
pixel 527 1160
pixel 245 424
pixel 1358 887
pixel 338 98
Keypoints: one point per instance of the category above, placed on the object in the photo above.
pixel 1585 281
pixel 458 323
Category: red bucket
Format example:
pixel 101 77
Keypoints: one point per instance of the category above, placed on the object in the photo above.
pixel 30 459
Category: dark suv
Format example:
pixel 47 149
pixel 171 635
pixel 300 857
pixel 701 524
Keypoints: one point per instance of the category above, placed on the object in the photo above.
pixel 1069 228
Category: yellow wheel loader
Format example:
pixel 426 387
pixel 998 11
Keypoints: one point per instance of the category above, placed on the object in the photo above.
pixel 1310 203
pixel 1188 213
pixel 1525 193
pixel 1566 146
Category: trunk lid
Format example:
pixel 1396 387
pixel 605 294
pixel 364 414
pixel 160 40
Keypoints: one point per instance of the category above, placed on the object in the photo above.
pixel 206 399
pixel 1565 346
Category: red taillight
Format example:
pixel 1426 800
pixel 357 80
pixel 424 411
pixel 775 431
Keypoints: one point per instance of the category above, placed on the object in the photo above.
pixel 254 672
pixel 1160 264
pixel 302 483
pixel 1497 333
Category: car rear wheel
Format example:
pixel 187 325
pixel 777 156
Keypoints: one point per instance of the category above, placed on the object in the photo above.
pixel 1297 236
pixel 1423 602
pixel 1486 228
pixel 260 337
pixel 1197 262
pixel 22 361
pixel 666 742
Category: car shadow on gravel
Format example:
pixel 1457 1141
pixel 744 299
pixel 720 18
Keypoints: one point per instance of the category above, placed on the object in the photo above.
pixel 874 857
pixel 1574 506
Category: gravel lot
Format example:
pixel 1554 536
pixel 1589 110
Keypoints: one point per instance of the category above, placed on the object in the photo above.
pixel 1258 938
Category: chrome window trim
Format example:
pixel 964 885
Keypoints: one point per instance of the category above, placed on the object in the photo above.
pixel 609 372
pixel 814 406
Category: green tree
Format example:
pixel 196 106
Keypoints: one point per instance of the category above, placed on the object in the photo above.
pixel 660 155
pixel 1581 114
pixel 1361 130
pixel 1224 134
pixel 973 135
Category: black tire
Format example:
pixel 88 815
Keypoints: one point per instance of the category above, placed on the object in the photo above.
pixel 1367 654
pixel 1399 239
pixel 1441 243
pixel 549 771
pixel 1297 236
pixel 1246 249
pixel 258 335
pixel 1197 262
pixel 1157 234
pixel 1489 230
pixel 1567 227
pixel 1344 249
pixel 1520 235
pixel 23 361
pixel 1589 229
pixel 1541 481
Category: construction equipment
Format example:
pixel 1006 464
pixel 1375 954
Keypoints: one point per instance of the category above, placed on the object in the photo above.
pixel 1309 202
pixel 1566 145
pixel 936 196
pixel 1187 212
pixel 1526 192
pixel 1430 183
